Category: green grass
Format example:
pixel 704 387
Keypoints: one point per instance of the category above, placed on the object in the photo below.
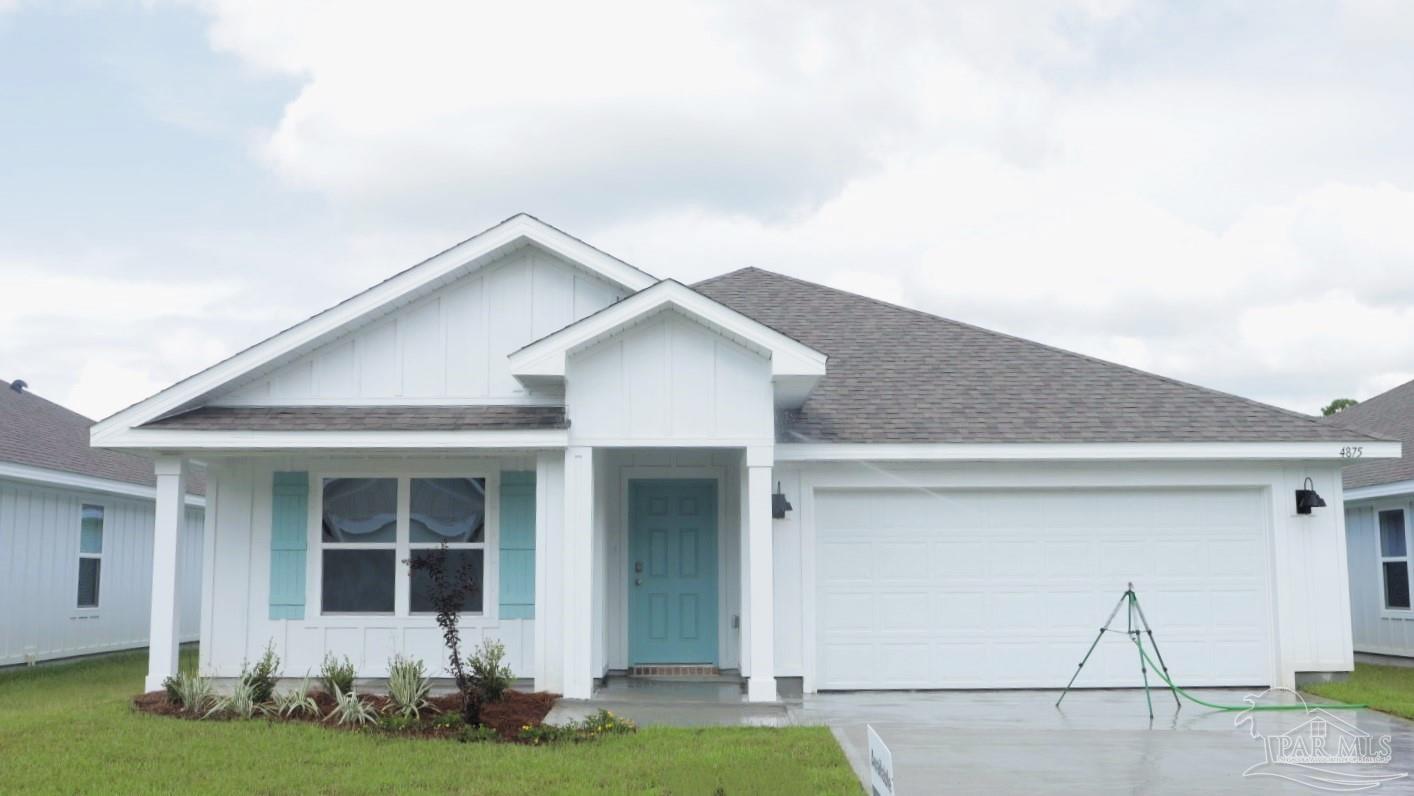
pixel 70 728
pixel 1386 688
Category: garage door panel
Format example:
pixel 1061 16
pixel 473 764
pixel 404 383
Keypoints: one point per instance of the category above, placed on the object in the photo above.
pixel 1007 589
pixel 955 559
pixel 901 560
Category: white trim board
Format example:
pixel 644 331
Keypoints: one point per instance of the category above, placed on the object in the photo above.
pixel 1129 451
pixel 61 480
pixel 180 439
pixel 1379 491
pixel 491 243
pixel 546 358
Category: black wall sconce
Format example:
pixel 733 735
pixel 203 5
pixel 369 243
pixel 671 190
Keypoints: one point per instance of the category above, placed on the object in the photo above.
pixel 779 504
pixel 1307 499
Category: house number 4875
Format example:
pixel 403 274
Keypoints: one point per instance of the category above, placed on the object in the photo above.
pixel 1352 452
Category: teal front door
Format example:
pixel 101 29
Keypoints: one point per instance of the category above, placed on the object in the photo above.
pixel 672 604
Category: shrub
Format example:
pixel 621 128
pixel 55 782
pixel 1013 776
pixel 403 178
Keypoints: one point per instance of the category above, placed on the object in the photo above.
pixel 193 693
pixel 489 675
pixel 171 686
pixel 478 734
pixel 449 589
pixel 350 710
pixel 261 677
pixel 604 722
pixel 337 676
pixel 297 702
pixel 591 728
pixel 408 686
pixel 239 704
pixel 397 723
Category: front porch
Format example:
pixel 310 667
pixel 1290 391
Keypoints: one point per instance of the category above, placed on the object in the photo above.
pixel 592 560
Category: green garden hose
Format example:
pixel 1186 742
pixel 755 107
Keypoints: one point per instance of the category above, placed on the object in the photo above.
pixel 1164 676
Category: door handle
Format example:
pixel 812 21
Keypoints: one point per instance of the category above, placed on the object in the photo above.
pixel 638 581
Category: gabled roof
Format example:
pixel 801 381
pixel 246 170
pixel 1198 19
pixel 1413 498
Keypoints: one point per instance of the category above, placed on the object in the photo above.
pixel 37 433
pixel 487 246
pixel 1389 414
pixel 546 357
pixel 898 375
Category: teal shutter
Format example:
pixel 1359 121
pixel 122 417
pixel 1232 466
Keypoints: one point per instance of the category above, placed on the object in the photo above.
pixel 518 545
pixel 289 516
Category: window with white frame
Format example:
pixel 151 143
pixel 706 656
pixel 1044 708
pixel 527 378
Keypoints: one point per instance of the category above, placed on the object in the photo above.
pixel 369 526
pixel 1394 559
pixel 90 554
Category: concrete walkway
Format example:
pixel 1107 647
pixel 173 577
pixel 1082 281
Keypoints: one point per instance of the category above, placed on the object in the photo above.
pixel 719 703
pixel 1099 742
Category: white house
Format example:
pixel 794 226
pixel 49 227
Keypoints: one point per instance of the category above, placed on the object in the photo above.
pixel 76 537
pixel 603 447
pixel 1379 502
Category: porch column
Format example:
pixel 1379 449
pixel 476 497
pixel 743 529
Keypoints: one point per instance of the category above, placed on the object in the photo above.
pixel 579 573
pixel 760 597
pixel 163 642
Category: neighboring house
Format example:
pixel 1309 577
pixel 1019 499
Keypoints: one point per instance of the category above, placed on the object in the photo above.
pixel 1379 510
pixel 603 446
pixel 76 537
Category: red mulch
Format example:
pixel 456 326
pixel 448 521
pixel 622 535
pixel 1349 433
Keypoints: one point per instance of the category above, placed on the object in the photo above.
pixel 514 711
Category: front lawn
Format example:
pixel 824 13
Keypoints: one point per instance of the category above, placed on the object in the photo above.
pixel 71 727
pixel 1387 688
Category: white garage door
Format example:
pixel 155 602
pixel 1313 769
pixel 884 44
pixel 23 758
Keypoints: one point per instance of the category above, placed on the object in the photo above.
pixel 1008 588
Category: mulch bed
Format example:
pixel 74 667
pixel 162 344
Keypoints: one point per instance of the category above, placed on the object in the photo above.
pixel 514 711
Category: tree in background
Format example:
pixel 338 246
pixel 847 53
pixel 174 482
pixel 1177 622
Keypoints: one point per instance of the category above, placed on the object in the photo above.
pixel 1338 405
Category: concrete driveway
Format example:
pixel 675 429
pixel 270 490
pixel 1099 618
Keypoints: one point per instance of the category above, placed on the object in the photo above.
pixel 1098 742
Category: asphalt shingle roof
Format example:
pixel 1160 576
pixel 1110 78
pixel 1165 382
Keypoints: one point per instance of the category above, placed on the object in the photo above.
pixel 40 433
pixel 366 418
pixel 897 375
pixel 1389 414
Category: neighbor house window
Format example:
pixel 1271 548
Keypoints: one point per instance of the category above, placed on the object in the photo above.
pixel 1394 558
pixel 90 554
pixel 370 526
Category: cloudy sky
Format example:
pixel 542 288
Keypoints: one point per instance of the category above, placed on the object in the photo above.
pixel 1220 192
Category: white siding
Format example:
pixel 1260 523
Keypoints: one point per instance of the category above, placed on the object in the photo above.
pixel 447 347
pixel 669 380
pixel 39 552
pixel 1375 629
pixel 237 625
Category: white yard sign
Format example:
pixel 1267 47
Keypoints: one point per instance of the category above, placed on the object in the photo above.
pixel 881 765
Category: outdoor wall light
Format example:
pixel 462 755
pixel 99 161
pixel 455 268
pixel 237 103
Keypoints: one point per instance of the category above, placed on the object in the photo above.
pixel 1307 499
pixel 779 504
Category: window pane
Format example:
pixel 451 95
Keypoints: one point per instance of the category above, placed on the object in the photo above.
pixel 88 582
pixel 448 509
pixel 91 530
pixel 360 509
pixel 1396 584
pixel 471 560
pixel 1392 534
pixel 359 581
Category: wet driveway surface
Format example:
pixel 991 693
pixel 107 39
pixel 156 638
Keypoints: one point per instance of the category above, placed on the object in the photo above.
pixel 1098 742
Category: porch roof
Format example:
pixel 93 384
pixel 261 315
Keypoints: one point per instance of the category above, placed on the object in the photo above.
pixel 366 418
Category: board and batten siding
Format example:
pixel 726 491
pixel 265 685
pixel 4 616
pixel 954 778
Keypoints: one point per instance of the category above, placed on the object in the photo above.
pixel 1375 629
pixel 446 347
pixel 39 554
pixel 240 618
pixel 669 379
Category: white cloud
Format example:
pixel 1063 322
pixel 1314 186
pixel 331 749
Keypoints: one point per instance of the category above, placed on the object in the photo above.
pixel 1221 195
